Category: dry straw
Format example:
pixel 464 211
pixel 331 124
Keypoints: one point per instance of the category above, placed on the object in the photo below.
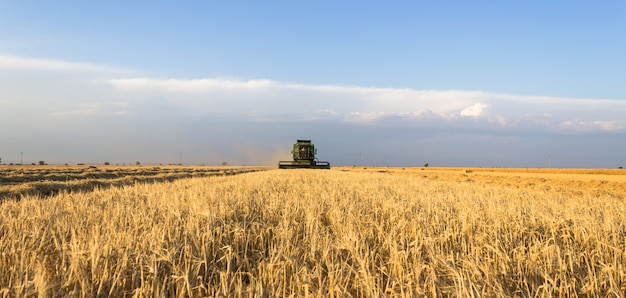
pixel 315 233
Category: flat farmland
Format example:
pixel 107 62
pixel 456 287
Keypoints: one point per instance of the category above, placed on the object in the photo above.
pixel 587 182
pixel 347 232
pixel 17 181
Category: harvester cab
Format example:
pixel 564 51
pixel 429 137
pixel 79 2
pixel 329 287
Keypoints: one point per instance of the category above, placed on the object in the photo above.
pixel 303 153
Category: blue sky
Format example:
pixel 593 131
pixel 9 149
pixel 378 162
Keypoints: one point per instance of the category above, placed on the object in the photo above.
pixel 400 83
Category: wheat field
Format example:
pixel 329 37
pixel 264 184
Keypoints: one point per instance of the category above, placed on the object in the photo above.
pixel 348 232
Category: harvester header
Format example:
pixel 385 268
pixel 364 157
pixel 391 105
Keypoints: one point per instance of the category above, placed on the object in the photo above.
pixel 303 153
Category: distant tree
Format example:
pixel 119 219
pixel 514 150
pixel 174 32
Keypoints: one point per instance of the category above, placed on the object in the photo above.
pixel 426 165
pixel 106 163
pixel 41 162
pixel 620 167
pixel 224 163
pixel 137 163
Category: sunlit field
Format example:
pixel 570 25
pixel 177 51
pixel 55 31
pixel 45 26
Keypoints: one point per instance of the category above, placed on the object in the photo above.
pixel 347 232
pixel 42 181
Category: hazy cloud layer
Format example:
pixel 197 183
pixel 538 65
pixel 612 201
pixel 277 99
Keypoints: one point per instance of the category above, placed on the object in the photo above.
pixel 265 100
pixel 75 111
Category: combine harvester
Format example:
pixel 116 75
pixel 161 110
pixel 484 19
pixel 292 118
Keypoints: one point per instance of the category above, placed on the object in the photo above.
pixel 304 157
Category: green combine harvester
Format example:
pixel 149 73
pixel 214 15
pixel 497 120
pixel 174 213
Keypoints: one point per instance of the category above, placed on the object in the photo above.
pixel 304 157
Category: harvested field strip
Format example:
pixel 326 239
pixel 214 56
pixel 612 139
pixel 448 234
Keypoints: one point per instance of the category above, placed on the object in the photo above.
pixel 45 182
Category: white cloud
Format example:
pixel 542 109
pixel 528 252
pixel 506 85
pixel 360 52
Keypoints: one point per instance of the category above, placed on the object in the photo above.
pixel 188 86
pixel 53 98
pixel 80 112
pixel 10 62
pixel 327 111
pixel 365 117
pixel 578 125
pixel 476 110
pixel 343 99
pixel 283 101
pixel 370 104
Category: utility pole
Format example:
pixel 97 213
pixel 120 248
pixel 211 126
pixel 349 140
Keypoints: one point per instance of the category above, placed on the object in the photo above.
pixel 181 158
pixel 549 160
